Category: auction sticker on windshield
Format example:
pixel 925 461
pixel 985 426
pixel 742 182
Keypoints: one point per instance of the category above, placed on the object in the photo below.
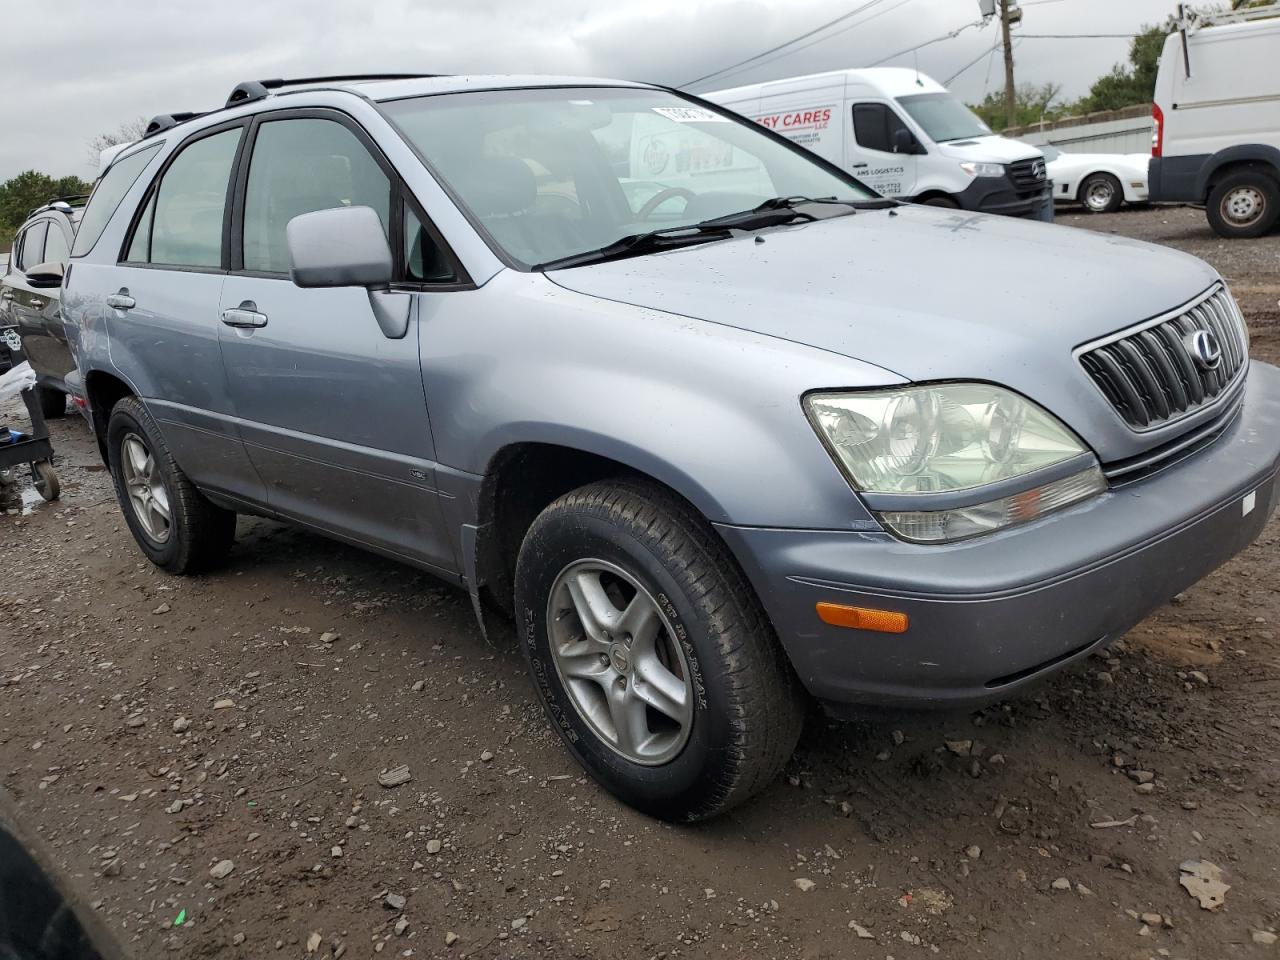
pixel 689 115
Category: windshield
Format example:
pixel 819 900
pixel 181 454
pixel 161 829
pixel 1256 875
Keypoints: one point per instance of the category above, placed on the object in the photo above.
pixel 551 173
pixel 943 117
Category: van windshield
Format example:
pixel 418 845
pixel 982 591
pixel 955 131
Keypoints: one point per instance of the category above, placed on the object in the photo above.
pixel 553 172
pixel 943 117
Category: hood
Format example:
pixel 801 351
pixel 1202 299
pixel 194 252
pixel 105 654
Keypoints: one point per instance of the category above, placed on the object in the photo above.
pixel 990 149
pixel 927 294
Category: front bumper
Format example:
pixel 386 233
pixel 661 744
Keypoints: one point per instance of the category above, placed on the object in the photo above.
pixel 1001 196
pixel 991 615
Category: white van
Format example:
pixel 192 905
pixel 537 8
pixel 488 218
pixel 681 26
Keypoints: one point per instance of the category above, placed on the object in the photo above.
pixel 1217 122
pixel 903 134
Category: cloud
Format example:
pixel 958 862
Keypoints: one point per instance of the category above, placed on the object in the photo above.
pixel 109 61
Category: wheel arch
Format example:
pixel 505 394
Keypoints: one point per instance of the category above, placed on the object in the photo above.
pixel 1248 156
pixel 104 390
pixel 523 478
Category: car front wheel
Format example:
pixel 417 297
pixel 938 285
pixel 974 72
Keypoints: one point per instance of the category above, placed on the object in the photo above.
pixel 1101 193
pixel 651 654
pixel 175 525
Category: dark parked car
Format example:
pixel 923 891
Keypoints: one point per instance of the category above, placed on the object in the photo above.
pixel 29 296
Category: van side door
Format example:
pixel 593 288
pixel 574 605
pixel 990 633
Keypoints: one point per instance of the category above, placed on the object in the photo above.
pixel 873 154
pixel 333 412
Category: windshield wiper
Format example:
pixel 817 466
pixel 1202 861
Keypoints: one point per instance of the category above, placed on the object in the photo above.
pixel 772 212
pixel 638 243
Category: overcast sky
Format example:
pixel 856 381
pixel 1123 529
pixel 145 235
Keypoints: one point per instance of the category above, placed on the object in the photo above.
pixel 107 61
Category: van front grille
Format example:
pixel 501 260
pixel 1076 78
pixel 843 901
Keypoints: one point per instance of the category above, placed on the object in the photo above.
pixel 1028 174
pixel 1164 369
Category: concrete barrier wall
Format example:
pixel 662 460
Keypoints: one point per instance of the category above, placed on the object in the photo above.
pixel 1112 131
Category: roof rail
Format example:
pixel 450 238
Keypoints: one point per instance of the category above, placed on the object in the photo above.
pixel 70 200
pixel 164 121
pixel 252 90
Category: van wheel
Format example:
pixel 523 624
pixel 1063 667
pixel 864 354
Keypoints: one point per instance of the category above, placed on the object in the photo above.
pixel 1244 204
pixel 1101 193
pixel 650 652
pixel 53 403
pixel 176 527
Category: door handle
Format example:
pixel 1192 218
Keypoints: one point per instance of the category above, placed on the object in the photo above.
pixel 858 166
pixel 121 300
pixel 244 316
pixel 37 302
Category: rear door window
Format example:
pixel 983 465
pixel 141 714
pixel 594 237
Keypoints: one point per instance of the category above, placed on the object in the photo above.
pixel 107 196
pixel 190 205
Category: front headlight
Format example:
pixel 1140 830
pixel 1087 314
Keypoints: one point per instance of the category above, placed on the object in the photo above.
pixel 975 169
pixel 945 462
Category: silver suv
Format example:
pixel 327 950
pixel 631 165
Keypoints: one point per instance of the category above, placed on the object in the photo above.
pixel 718 427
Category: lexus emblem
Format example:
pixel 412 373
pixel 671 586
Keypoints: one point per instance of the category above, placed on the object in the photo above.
pixel 1204 347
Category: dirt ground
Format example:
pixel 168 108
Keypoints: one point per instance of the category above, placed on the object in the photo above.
pixel 152 728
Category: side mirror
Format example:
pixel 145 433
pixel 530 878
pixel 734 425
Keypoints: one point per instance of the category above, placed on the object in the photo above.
pixel 342 247
pixel 45 276
pixel 904 142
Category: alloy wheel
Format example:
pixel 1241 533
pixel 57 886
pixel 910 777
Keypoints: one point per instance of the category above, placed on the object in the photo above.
pixel 145 487
pixel 620 661
pixel 1099 195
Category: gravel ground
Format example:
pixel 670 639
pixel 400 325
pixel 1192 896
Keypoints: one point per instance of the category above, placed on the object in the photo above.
pixel 209 750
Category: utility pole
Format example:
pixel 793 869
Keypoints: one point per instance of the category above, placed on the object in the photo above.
pixel 1010 92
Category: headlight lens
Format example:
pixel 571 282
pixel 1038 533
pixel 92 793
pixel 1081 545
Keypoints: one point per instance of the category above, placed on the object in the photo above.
pixel 975 169
pixel 951 437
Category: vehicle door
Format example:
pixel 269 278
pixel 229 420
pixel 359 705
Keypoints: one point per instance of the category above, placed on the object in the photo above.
pixel 23 304
pixel 874 153
pixel 333 411
pixel 162 310
pixel 44 339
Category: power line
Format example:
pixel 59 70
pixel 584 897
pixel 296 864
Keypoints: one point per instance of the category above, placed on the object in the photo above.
pixel 730 71
pixel 793 40
pixel 928 42
pixel 972 63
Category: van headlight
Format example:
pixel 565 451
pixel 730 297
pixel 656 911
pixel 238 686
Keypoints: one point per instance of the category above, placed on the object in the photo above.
pixel 953 460
pixel 976 169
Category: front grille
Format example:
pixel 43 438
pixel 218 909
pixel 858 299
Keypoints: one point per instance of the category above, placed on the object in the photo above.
pixel 1153 375
pixel 1028 174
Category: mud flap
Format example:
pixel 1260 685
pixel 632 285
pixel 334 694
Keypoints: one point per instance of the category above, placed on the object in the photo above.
pixel 470 537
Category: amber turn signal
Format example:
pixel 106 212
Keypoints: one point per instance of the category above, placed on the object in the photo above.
pixel 862 618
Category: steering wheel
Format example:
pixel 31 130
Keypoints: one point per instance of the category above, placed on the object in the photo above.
pixel 661 197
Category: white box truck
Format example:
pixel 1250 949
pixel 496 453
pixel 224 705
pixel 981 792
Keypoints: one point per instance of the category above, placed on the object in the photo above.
pixel 902 134
pixel 1217 122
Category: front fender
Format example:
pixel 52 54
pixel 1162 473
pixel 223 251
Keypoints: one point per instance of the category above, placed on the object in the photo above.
pixel 710 410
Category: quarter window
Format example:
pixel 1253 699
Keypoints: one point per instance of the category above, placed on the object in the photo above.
pixel 186 213
pixel 300 166
pixel 424 261
pixel 107 195
pixel 874 126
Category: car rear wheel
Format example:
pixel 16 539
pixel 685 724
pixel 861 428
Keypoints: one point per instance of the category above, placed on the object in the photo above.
pixel 53 403
pixel 1101 193
pixel 1244 205
pixel 173 523
pixel 651 654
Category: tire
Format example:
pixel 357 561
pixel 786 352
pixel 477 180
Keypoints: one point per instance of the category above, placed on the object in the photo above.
pixel 745 707
pixel 1244 205
pixel 198 534
pixel 945 202
pixel 1100 193
pixel 45 480
pixel 53 402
